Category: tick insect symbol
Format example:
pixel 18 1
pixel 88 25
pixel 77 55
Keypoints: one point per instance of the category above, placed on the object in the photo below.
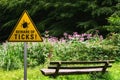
pixel 25 24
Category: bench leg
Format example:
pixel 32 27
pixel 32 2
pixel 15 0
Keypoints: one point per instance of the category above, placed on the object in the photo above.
pixel 53 76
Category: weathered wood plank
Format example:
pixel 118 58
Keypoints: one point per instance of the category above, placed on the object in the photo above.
pixel 77 67
pixel 48 71
pixel 81 62
pixel 69 71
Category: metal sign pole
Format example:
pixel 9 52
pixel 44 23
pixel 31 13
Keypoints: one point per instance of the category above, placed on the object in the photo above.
pixel 25 60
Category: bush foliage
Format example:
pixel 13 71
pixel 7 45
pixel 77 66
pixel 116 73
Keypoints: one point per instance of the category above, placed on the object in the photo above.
pixel 74 47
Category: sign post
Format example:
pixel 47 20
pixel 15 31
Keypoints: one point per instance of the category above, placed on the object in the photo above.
pixel 25 60
pixel 25 31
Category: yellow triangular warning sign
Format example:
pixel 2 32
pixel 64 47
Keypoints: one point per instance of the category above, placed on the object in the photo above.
pixel 25 30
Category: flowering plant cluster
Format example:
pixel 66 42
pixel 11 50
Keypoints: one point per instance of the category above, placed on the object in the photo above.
pixel 69 47
pixel 70 37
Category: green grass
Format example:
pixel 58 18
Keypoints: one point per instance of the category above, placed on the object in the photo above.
pixel 35 74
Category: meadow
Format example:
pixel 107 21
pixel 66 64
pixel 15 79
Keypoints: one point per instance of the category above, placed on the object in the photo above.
pixel 70 47
pixel 35 74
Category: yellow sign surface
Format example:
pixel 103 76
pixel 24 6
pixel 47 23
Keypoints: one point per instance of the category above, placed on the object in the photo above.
pixel 25 30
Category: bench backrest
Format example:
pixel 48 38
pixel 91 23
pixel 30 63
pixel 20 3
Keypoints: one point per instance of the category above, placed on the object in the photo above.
pixel 80 65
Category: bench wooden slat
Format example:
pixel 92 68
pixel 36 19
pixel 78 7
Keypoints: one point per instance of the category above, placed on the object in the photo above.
pixel 77 67
pixel 48 72
pixel 82 62
pixel 78 71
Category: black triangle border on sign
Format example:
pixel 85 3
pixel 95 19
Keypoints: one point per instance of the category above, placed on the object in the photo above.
pixel 25 11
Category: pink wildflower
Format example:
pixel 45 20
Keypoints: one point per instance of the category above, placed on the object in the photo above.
pixel 62 40
pixel 89 36
pixel 81 39
pixel 65 34
pixel 76 35
pixel 70 37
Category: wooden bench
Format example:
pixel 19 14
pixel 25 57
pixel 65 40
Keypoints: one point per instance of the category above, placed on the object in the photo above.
pixel 76 67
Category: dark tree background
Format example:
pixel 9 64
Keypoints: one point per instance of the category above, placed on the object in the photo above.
pixel 59 16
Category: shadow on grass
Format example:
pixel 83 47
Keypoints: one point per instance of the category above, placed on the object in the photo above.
pixel 92 76
pixel 99 76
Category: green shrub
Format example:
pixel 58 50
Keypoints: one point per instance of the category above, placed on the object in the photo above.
pixel 11 55
pixel 37 53
pixel 114 21
pixel 72 48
